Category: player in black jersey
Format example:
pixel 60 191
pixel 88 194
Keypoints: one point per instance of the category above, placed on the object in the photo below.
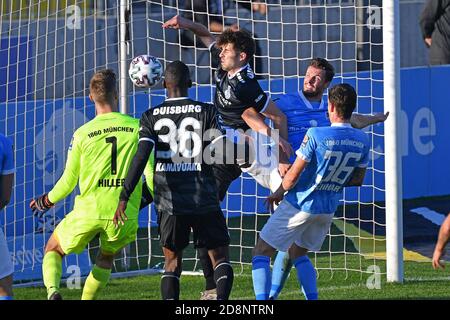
pixel 241 104
pixel 239 99
pixel 185 193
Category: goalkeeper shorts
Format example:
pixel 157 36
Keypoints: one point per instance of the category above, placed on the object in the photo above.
pixel 74 233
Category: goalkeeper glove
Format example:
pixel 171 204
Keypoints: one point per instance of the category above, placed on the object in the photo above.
pixel 41 204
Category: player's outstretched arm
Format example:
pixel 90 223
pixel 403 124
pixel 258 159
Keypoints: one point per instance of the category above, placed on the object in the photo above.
pixel 360 121
pixel 439 250
pixel 179 22
pixel 66 183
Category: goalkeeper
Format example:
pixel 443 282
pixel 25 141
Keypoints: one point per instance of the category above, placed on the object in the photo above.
pixel 99 156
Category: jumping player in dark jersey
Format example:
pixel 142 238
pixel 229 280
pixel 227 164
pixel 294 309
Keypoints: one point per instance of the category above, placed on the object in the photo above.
pixel 185 193
pixel 241 105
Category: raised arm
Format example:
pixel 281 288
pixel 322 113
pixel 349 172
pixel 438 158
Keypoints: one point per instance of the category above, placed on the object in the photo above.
pixel 179 22
pixel 360 121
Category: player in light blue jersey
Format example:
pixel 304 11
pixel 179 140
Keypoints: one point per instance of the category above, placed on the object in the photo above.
pixel 328 159
pixel 307 109
pixel 304 109
pixel 6 182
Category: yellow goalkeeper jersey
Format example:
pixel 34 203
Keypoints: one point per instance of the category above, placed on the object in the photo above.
pixel 98 159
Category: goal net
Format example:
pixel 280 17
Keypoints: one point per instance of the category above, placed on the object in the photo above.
pixel 50 49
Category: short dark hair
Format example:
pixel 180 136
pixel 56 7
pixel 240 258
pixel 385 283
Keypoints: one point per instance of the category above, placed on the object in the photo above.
pixel 343 97
pixel 177 75
pixel 323 64
pixel 242 41
pixel 103 86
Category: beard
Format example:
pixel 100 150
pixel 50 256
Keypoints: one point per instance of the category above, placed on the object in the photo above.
pixel 313 94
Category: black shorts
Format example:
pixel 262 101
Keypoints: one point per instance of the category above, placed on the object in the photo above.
pixel 210 231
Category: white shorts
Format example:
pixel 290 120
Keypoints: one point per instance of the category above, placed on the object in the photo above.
pixel 288 225
pixel 264 168
pixel 6 266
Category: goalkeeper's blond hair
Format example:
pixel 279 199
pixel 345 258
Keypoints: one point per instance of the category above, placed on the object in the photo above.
pixel 103 87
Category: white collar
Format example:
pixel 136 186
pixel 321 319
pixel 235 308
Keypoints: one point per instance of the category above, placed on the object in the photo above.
pixel 174 99
pixel 308 103
pixel 341 124
pixel 240 69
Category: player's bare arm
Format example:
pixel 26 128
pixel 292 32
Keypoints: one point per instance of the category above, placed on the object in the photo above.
pixel 360 121
pixel 289 181
pixel 357 177
pixel 179 22
pixel 280 123
pixel 6 182
pixel 443 238
pixel 255 121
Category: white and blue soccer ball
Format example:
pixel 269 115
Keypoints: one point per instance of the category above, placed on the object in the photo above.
pixel 145 71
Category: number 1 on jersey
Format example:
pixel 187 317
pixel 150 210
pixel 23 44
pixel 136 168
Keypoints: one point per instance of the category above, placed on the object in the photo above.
pixel 113 141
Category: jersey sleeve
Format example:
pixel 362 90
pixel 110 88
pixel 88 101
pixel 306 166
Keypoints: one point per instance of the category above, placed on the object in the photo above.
pixel 69 179
pixel 215 51
pixel 7 167
pixel 146 132
pixel 149 172
pixel 251 94
pixel 308 147
pixel 212 117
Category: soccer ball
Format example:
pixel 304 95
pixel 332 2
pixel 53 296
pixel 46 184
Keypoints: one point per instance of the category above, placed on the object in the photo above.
pixel 145 71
